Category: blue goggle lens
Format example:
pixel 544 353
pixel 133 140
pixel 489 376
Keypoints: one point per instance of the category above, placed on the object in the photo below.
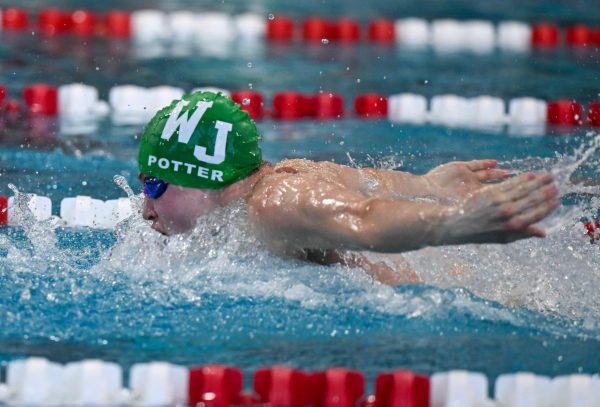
pixel 154 187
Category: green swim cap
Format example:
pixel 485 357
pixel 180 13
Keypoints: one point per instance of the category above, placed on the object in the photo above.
pixel 202 140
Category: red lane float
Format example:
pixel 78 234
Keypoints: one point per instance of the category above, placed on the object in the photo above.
pixel 564 112
pixel 545 35
pixel 280 29
pixel 282 386
pixel 53 22
pixel 214 386
pixel 12 106
pixel 325 106
pixel 117 24
pixel 41 99
pixel 251 102
pixel 594 114
pixel 370 105
pixel 14 19
pixel 401 388
pixel 593 230
pixel 337 387
pixel 347 30
pixel 317 30
pixel 2 95
pixel 596 36
pixel 3 210
pixel 294 105
pixel 288 106
pixel 382 30
pixel 83 23
pixel 578 36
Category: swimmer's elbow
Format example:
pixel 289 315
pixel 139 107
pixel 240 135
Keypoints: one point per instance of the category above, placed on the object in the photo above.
pixel 393 226
pixel 363 227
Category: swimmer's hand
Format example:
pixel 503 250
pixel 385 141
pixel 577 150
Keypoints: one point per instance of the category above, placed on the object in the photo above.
pixel 502 212
pixel 456 180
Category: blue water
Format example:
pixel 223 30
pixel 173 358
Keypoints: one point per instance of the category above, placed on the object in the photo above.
pixel 218 296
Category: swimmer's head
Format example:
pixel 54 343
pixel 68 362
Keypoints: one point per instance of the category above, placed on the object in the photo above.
pixel 193 156
pixel 202 140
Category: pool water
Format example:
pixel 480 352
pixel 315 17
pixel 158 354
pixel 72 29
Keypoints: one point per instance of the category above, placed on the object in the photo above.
pixel 217 295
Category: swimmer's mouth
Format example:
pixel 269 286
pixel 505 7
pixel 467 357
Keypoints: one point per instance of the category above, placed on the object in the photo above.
pixel 156 226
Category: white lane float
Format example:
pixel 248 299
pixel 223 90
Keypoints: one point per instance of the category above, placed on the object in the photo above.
pixel 84 211
pixel 148 26
pixel 92 382
pixel 413 32
pixel 158 384
pixel 459 388
pixel 407 108
pixel 40 207
pixel 514 36
pixel 522 390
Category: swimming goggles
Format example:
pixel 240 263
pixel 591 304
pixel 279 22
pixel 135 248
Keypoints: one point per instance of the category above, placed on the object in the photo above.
pixel 154 187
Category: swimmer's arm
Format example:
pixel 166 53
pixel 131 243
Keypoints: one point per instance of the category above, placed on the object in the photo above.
pixel 309 213
pixel 451 181
pixel 389 269
pixel 388 184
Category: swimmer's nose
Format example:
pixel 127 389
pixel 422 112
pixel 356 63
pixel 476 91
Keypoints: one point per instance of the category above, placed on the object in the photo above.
pixel 149 213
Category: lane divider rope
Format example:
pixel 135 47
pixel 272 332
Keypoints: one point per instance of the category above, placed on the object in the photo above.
pixel 134 105
pixel 37 381
pixel 146 26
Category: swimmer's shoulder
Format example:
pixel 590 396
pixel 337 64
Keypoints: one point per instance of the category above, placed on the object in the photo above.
pixel 303 166
pixel 291 175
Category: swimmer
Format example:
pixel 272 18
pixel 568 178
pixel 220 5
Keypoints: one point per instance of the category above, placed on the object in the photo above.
pixel 202 152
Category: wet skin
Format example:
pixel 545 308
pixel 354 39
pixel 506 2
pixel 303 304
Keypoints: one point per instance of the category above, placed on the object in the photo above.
pixel 324 212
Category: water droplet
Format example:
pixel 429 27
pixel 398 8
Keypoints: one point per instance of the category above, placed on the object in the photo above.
pixel 84 183
pixel 250 65
pixel 25 295
pixel 357 80
pixel 250 85
pixel 324 41
pixel 347 68
pixel 246 101
pixel 122 183
pixel 97 68
pixel 271 16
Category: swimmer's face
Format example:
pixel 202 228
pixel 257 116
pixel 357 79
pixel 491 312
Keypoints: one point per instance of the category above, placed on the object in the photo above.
pixel 178 208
